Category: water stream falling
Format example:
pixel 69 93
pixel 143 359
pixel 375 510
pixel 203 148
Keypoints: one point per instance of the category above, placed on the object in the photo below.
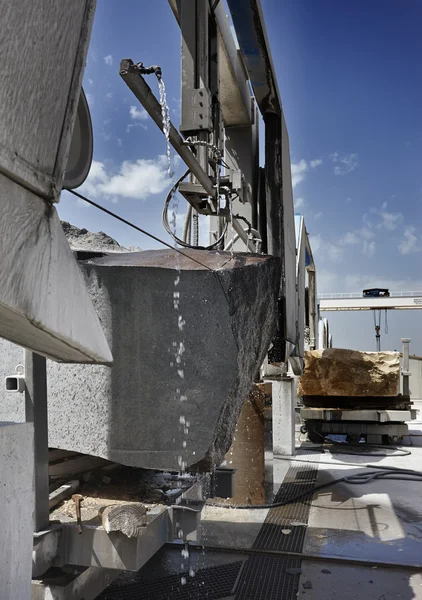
pixel 165 112
pixel 231 226
pixel 177 349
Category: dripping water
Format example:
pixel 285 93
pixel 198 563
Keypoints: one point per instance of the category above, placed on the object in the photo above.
pixel 165 113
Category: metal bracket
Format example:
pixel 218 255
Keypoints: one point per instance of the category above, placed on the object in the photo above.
pixel 185 522
pixel 195 194
pixel 237 184
pixel 198 115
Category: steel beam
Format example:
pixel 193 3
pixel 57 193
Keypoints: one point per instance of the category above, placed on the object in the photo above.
pixel 36 413
pixel 137 84
pixel 384 303
pixel 235 96
pixel 248 20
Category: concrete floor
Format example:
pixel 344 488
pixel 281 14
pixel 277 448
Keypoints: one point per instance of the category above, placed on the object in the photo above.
pixel 362 541
pixel 379 522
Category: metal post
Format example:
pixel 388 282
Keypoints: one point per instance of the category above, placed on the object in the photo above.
pixel 283 403
pixel 405 366
pixel 313 323
pixel 36 413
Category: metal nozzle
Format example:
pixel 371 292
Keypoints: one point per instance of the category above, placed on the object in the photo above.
pixel 148 70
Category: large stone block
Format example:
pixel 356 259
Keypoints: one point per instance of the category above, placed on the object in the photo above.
pixel 338 372
pixel 187 339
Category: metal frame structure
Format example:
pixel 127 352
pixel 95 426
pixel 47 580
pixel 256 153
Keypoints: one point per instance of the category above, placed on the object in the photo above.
pixel 347 302
pixel 222 89
pixel 219 122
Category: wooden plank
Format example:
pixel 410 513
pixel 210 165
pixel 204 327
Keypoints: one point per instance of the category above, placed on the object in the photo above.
pixel 63 492
pixel 78 464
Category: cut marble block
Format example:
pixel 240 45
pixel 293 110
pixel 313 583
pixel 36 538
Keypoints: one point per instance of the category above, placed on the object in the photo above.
pixel 187 341
pixel 338 372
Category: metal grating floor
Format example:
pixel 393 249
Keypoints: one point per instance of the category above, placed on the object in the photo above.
pixel 208 584
pixel 266 577
pixel 293 517
pixel 269 578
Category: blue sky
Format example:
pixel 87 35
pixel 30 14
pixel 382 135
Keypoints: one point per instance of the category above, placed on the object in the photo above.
pixel 349 77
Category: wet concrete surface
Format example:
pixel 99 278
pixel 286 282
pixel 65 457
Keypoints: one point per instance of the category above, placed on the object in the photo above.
pixel 328 581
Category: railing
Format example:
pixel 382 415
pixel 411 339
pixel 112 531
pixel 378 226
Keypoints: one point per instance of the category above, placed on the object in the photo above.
pixel 357 295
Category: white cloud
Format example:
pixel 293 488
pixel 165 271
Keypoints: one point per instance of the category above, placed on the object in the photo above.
pixel 335 253
pixel 130 126
pixel 388 220
pixel 315 163
pixel 324 251
pixel 108 60
pixel 344 164
pixel 318 215
pixel 138 114
pixel 109 95
pixel 410 242
pixel 299 171
pixel 90 81
pixel 90 99
pixel 300 203
pixel 136 179
pixel 368 248
pixel 349 239
pixel 366 233
pixel 315 241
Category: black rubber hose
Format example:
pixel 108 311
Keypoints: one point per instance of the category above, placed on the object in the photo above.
pixel 357 479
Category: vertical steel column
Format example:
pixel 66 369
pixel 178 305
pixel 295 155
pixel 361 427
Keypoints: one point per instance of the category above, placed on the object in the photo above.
pixel 36 413
pixel 196 98
pixel 312 309
pixel 405 366
pixel 275 233
pixel 274 184
pixel 262 210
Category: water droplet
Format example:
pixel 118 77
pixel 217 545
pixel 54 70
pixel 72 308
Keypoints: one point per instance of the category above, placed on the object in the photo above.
pixel 184 444
pixel 183 580
pixel 182 420
pixel 181 373
pixel 191 573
